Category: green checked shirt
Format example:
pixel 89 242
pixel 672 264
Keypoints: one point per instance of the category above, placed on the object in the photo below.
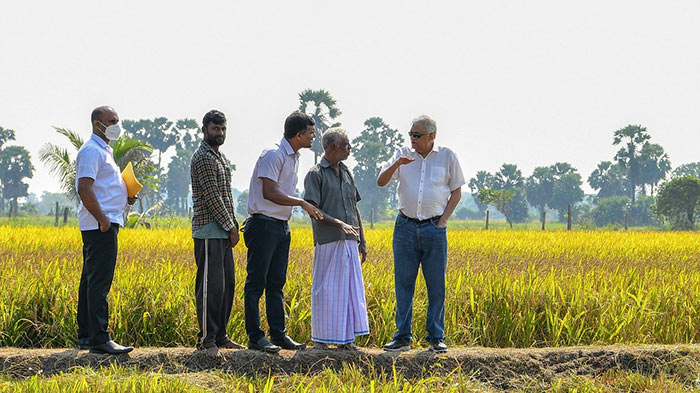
pixel 212 200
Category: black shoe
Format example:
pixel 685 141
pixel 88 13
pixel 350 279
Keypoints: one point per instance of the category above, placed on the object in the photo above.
pixel 287 343
pixel 263 345
pixel 437 345
pixel 83 344
pixel 111 348
pixel 398 345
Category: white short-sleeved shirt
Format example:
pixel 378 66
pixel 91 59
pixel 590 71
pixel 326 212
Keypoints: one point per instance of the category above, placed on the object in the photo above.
pixel 279 164
pixel 95 160
pixel 426 183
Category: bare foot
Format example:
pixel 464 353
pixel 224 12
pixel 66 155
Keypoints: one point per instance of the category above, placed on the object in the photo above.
pixel 230 344
pixel 214 353
pixel 348 347
pixel 320 346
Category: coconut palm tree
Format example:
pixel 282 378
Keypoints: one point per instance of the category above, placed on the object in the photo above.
pixel 127 149
pixel 61 160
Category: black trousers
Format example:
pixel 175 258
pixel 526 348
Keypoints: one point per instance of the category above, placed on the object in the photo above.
pixel 214 289
pixel 99 260
pixel 268 254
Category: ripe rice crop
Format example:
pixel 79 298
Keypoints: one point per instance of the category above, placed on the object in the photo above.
pixel 504 288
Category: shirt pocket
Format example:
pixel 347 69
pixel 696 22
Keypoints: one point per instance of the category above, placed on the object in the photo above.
pixel 437 175
pixel 348 188
pixel 110 170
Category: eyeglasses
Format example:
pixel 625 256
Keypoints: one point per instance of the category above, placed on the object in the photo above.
pixel 345 146
pixel 416 135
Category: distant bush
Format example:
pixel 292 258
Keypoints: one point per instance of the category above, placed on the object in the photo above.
pixel 678 202
pixel 610 210
pixel 467 214
pixel 641 213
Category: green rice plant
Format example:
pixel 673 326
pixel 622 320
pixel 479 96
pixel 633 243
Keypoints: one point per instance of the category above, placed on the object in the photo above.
pixel 350 379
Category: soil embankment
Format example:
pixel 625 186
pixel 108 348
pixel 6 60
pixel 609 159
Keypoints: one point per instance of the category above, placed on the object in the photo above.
pixel 498 367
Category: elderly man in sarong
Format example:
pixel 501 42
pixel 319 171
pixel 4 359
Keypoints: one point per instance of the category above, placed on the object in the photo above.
pixel 338 306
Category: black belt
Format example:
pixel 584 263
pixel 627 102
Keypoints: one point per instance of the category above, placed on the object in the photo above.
pixel 417 221
pixel 267 218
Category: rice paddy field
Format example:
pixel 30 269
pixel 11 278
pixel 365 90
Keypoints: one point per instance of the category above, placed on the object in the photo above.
pixel 505 289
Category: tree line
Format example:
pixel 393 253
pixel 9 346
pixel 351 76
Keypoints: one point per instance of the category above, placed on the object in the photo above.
pixel 625 188
pixel 624 185
pixel 15 167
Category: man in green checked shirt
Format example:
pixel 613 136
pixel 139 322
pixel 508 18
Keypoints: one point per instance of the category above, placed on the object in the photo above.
pixel 215 233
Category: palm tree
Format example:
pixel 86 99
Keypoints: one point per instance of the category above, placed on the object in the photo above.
pixel 482 181
pixel 127 149
pixel 609 179
pixel 320 105
pixel 655 164
pixel 632 139
pixel 61 164
pixel 509 177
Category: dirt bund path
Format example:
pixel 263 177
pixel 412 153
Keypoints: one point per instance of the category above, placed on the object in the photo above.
pixel 499 367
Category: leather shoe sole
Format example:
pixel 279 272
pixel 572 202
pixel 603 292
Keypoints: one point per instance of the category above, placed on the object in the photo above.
pixel 438 348
pixel 111 348
pixel 83 344
pixel 397 346
pixel 271 348
pixel 289 344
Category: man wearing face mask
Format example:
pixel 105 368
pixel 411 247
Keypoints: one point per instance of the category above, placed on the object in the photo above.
pixel 103 200
pixel 215 233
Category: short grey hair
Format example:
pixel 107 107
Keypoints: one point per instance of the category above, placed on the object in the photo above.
pixel 333 135
pixel 427 122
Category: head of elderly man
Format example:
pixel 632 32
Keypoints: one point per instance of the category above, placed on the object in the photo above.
pixel 422 134
pixel 336 145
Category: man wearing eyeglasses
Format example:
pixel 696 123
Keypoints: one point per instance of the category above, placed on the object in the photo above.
pixel 430 187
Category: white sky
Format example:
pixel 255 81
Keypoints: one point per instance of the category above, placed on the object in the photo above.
pixel 524 82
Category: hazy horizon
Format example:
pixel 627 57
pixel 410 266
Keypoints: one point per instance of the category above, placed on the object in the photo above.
pixel 524 83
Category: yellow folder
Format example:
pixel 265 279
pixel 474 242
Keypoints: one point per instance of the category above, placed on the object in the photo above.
pixel 132 185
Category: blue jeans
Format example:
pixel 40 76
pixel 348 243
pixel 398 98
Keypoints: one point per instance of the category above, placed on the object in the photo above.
pixel 423 245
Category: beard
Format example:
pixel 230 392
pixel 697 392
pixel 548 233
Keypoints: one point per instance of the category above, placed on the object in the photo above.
pixel 216 140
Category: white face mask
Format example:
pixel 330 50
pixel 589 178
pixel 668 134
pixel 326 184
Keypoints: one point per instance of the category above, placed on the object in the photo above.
pixel 112 132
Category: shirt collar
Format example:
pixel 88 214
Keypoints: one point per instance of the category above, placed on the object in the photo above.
pixel 287 147
pixel 207 146
pixel 325 164
pixel 412 150
pixel 100 141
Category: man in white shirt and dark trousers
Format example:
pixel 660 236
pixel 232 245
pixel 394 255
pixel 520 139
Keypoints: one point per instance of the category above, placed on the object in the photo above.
pixel 430 181
pixel 103 200
pixel 266 233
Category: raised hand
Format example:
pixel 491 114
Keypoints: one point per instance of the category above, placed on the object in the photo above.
pixel 403 160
